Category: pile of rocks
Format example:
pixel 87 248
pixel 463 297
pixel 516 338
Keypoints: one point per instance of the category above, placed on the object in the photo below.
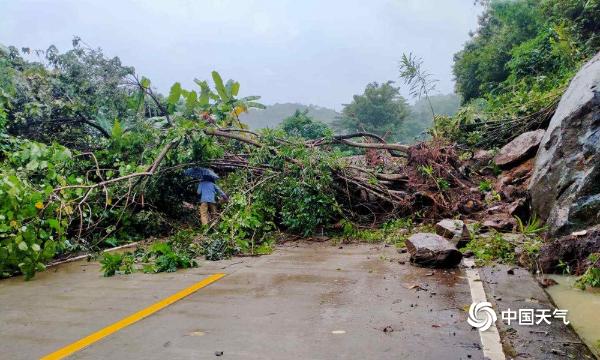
pixel 552 174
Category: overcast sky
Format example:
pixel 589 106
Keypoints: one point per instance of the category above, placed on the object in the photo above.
pixel 310 51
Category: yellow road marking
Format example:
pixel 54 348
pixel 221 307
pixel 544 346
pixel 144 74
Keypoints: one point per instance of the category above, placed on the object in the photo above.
pixel 100 334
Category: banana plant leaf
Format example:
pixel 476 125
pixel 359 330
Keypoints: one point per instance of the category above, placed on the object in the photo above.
pixel 205 174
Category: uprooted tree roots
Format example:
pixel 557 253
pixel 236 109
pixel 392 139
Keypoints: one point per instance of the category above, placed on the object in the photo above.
pixel 429 182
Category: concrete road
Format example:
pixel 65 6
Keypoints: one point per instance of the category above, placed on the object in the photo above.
pixel 305 301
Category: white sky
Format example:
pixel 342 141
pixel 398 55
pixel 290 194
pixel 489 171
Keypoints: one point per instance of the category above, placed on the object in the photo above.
pixel 308 51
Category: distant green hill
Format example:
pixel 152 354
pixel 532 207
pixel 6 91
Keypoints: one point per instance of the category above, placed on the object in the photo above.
pixel 412 129
pixel 274 114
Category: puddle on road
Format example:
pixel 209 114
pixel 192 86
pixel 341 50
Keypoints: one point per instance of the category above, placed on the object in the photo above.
pixel 583 306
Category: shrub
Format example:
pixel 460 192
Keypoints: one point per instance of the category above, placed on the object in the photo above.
pixel 591 277
pixel 32 229
pixel 113 263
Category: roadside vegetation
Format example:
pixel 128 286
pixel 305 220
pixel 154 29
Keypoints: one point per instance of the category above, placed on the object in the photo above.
pixel 92 156
pixel 516 66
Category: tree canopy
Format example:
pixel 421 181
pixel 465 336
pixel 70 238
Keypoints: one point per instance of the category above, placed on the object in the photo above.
pixel 380 109
pixel 526 38
pixel 517 64
pixel 302 125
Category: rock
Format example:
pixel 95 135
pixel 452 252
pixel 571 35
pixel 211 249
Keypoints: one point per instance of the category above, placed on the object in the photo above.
pixel 521 148
pixel 518 208
pixel 521 173
pixel 432 250
pixel 449 228
pixel 469 206
pixel 564 185
pixel 511 192
pixel 482 157
pixel 494 209
pixel 512 184
pixel 504 180
pixel 453 230
pixel 573 251
pixel 523 259
pixel 546 282
pixel 480 161
pixel 499 222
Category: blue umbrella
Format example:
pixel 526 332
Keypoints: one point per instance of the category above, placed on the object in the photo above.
pixel 204 174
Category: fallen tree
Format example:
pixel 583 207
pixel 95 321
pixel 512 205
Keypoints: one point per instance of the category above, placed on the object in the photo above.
pixel 421 181
pixel 116 181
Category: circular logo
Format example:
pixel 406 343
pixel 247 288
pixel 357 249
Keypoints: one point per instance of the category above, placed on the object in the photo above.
pixel 481 315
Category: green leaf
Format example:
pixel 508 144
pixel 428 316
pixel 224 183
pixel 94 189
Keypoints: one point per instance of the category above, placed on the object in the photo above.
pixel 145 83
pixel 219 86
pixel 191 100
pixel 204 92
pixel 256 105
pixel 49 249
pixel 23 245
pixel 232 87
pixel 32 165
pixel 174 94
pixel 117 130
pixel 235 88
pixel 53 223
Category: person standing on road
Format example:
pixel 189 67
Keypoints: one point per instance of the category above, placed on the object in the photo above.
pixel 208 191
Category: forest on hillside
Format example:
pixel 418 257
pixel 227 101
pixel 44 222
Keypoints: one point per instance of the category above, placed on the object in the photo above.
pixel 274 114
pixel 412 127
pixel 93 156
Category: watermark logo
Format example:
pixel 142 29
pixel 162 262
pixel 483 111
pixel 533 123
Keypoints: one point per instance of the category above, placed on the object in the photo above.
pixel 481 315
pixel 534 316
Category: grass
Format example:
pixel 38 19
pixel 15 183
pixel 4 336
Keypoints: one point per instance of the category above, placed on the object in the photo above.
pixel 394 232
pixel 499 247
pixel 532 227
pixel 491 248
pixel 485 185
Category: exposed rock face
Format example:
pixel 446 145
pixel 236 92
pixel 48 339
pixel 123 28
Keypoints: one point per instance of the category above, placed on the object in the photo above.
pixel 453 230
pixel 565 185
pixel 432 250
pixel 522 147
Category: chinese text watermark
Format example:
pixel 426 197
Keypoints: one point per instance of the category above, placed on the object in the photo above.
pixel 482 316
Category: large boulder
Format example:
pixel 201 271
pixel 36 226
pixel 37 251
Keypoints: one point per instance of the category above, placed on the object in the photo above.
pixel 521 148
pixel 432 250
pixel 565 185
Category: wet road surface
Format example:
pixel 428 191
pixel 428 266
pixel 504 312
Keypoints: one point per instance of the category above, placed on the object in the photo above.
pixel 305 301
